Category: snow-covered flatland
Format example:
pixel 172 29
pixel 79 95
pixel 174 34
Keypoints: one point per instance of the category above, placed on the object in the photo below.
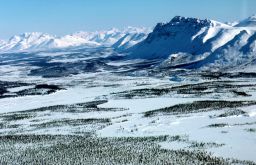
pixel 222 131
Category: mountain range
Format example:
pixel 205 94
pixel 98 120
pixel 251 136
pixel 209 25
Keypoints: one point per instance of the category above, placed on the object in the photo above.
pixel 37 41
pixel 181 43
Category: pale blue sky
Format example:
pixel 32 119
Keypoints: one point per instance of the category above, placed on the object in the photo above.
pixel 67 16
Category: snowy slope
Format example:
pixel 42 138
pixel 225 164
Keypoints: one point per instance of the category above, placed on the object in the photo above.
pixel 132 37
pixel 193 43
pixel 118 38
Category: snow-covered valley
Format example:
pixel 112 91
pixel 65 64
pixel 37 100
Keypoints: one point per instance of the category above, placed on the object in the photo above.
pixel 137 101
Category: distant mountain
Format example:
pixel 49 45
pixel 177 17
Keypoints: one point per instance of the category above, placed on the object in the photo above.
pixel 249 22
pixel 106 38
pixel 40 41
pixel 25 41
pixel 192 43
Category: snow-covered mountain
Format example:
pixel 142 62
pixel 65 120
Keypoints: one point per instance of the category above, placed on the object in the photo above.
pixel 40 41
pixel 191 42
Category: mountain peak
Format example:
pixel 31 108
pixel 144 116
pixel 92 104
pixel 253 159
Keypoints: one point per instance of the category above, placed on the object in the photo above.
pixel 253 17
pixel 189 20
pixel 183 25
pixel 29 35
